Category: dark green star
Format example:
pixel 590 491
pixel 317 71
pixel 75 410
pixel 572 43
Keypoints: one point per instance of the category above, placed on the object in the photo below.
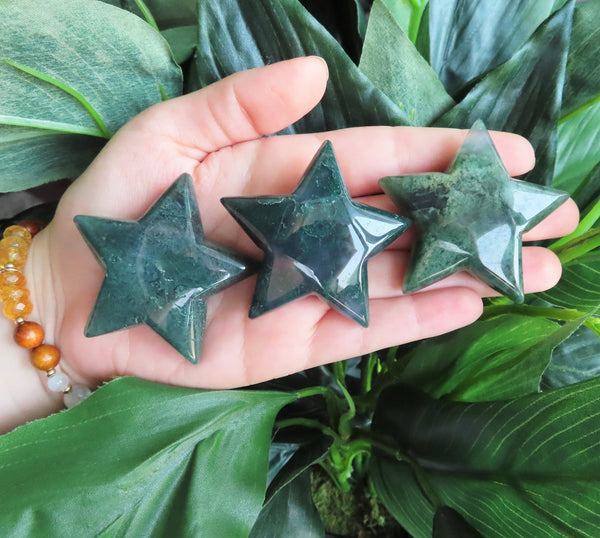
pixel 159 270
pixel 315 241
pixel 471 218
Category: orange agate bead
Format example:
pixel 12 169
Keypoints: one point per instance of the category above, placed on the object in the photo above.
pixel 17 308
pixel 13 250
pixel 29 334
pixel 18 231
pixel 45 357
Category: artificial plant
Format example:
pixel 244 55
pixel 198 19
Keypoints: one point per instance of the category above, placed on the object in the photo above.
pixel 490 430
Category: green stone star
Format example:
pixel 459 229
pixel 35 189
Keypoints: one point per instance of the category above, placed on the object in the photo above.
pixel 471 218
pixel 316 241
pixel 159 270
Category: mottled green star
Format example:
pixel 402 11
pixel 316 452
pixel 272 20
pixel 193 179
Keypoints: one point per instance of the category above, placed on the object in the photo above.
pixel 471 218
pixel 316 241
pixel 159 270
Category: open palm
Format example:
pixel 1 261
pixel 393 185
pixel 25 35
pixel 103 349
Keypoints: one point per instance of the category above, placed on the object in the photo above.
pixel 218 136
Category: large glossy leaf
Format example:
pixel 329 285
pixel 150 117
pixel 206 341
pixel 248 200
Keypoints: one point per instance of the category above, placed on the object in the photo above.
pixel 578 149
pixel 448 523
pixel 576 359
pixel 588 191
pixel 471 37
pixel 524 467
pixel 582 84
pixel 235 35
pixel 579 286
pixel 114 61
pixel 523 95
pixel 394 65
pixel 289 509
pixel 290 513
pixel 141 459
pixel 500 358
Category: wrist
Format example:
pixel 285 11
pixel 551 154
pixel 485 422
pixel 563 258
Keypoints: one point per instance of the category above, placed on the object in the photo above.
pixel 34 386
pixel 23 394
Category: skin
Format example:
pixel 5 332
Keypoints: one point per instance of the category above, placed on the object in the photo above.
pixel 217 136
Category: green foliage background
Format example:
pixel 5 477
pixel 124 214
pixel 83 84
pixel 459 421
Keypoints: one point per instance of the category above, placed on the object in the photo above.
pixel 490 428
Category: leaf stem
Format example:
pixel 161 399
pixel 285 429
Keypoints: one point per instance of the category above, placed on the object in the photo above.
pixel 146 13
pixel 366 378
pixel 67 89
pixel 307 423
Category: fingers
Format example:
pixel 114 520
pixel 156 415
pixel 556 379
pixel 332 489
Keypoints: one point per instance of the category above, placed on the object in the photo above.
pixel 561 222
pixel 243 106
pixel 541 271
pixel 393 322
pixel 367 154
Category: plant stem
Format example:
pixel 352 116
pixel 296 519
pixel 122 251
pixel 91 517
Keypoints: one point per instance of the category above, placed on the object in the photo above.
pixel 366 378
pixel 146 13
pixel 307 423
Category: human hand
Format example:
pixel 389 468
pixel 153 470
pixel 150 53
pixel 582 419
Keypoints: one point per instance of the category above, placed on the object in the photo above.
pixel 217 136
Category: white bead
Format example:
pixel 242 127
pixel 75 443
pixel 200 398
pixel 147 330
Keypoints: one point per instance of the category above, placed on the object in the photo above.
pixel 77 394
pixel 58 382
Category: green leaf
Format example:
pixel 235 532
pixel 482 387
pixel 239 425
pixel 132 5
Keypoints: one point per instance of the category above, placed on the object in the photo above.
pixel 588 190
pixel 582 84
pixel 166 13
pixel 471 38
pixel 57 155
pixel 290 513
pixel 400 492
pixel 394 65
pixel 576 359
pixel 448 523
pixel 579 286
pixel 523 95
pixel 408 14
pixel 504 357
pixel 578 149
pixel 183 41
pixel 141 459
pixel 237 35
pixel 82 65
pixel 529 467
pixel 289 509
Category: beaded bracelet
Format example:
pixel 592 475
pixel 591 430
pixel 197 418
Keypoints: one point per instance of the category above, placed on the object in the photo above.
pixel 14 248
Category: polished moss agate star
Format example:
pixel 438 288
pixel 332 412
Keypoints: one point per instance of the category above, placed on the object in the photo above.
pixel 316 241
pixel 159 270
pixel 471 218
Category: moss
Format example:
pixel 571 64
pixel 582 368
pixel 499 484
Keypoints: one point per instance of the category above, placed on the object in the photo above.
pixel 353 514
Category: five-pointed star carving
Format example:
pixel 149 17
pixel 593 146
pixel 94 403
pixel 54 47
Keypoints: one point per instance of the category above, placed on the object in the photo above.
pixel 159 270
pixel 471 218
pixel 317 240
